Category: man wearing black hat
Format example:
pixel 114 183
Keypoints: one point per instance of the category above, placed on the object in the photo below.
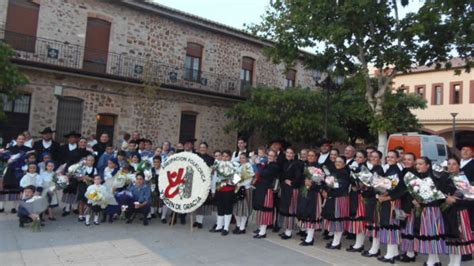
pixel 323 158
pixel 66 151
pixel 47 145
pixel 189 145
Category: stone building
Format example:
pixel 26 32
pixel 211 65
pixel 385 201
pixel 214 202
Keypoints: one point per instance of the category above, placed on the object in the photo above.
pixel 125 65
pixel 446 92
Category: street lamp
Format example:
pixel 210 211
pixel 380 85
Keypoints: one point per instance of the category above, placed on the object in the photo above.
pixel 324 80
pixel 454 129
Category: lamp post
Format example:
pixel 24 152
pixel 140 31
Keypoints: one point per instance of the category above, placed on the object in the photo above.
pixel 454 129
pixel 324 80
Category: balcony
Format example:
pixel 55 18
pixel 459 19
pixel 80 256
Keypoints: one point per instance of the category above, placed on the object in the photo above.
pixel 64 56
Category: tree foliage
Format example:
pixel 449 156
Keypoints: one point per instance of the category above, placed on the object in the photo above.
pixel 10 77
pixel 356 35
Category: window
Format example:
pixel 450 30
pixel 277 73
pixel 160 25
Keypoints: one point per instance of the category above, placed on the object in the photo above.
pixel 17 116
pixel 192 63
pixel 246 73
pixel 420 90
pixel 471 92
pixel 21 25
pixel 69 117
pixel 456 93
pixel 187 128
pixel 437 94
pixel 290 78
pixel 97 45
pixel 441 149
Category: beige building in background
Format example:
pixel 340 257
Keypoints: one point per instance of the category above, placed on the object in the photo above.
pixel 445 93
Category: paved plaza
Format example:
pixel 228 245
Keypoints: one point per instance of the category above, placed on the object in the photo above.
pixel 68 242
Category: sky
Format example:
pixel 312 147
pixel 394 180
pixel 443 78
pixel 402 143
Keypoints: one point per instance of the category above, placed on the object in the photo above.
pixel 236 13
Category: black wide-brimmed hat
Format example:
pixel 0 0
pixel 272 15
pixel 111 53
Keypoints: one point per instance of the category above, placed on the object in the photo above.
pixel 73 134
pixel 47 130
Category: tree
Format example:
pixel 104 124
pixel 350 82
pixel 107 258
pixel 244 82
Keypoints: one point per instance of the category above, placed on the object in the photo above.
pixel 10 77
pixel 355 35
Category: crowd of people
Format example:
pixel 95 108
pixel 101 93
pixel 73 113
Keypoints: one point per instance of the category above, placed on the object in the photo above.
pixel 288 191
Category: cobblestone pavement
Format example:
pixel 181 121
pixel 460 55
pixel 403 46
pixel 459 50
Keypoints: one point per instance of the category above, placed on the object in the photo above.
pixel 68 242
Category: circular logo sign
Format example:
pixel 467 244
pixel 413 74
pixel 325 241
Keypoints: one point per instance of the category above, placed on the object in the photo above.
pixel 184 182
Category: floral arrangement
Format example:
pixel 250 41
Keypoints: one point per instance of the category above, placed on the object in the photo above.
pixel 122 179
pixel 464 188
pixel 225 171
pixel 422 190
pixel 244 175
pixel 77 169
pixel 96 197
pixel 331 181
pixel 315 174
pixel 364 176
pixel 384 184
pixel 60 181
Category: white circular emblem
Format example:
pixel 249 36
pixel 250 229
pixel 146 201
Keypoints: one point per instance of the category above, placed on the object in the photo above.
pixel 184 182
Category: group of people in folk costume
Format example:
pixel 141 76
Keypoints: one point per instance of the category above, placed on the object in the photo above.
pixel 398 200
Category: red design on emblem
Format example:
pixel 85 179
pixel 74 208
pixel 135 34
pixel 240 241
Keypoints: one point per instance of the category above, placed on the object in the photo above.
pixel 174 180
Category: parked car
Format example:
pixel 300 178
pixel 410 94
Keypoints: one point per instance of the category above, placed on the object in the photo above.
pixel 431 146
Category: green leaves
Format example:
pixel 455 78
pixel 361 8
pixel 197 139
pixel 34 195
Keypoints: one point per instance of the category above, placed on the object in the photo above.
pixel 10 77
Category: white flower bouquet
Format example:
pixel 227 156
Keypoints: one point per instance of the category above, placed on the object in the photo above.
pixel 225 172
pixel 97 197
pixel 384 184
pixel 422 190
pixel 331 181
pixel 315 174
pixel 122 179
pixel 463 186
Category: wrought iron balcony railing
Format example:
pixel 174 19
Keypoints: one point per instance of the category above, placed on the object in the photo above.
pixel 75 58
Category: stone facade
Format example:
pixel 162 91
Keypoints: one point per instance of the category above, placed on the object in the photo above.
pixel 142 33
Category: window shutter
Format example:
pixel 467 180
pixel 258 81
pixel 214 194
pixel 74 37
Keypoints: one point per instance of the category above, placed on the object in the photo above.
pixel 194 50
pixel 247 63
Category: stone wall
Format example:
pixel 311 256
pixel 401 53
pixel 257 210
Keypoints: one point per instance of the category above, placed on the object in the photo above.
pixel 144 34
pixel 156 115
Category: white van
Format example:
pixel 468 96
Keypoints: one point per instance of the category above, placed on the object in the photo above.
pixel 431 146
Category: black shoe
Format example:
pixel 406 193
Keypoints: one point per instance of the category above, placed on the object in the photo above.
pixel 81 219
pixel 198 225
pixel 153 216
pixel 163 221
pixel 129 221
pixel 391 260
pixel 145 221
pixel 51 218
pixel 96 223
pixel 214 230
pixel 436 264
pixel 225 232
pixel 13 210
pixel 87 224
pixel 65 213
pixel 352 249
pixel 2 210
pixel 467 257
pixel 405 258
pixel 257 236
pixel 367 254
pixel 276 229
pixel 330 246
pixel 256 231
pixel 285 237
pixel 304 243
pixel 76 211
pixel 243 232
pixel 236 231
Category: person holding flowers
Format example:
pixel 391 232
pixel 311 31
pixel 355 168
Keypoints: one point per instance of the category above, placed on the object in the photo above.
pixel 460 240
pixel 389 203
pixel 96 195
pixel 357 207
pixel 370 204
pixel 291 180
pixel 85 179
pixel 336 208
pixel 429 224
pixel 309 199
pixel 407 230
pixel 243 198
pixel 262 199
pixel 224 194
pixel 47 178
